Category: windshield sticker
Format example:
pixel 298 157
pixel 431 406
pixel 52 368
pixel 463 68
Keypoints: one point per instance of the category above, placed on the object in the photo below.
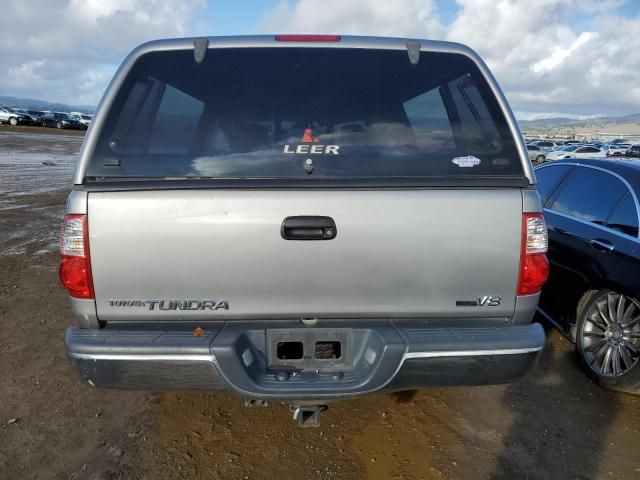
pixel 467 161
pixel 307 145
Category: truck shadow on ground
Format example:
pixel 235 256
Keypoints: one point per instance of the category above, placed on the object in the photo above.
pixel 554 424
pixel 563 423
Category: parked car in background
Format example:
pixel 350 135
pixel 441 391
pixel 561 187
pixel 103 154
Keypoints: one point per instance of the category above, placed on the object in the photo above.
pixel 618 149
pixel 13 117
pixel 83 118
pixel 588 151
pixel 35 119
pixel 561 153
pixel 633 151
pixel 60 120
pixel 576 151
pixel 536 154
pixel 36 115
pixel 593 294
pixel 546 145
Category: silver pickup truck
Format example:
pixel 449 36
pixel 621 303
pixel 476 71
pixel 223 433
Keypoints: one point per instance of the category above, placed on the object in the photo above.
pixel 303 218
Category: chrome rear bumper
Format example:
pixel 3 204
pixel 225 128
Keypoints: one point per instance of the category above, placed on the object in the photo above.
pixel 241 357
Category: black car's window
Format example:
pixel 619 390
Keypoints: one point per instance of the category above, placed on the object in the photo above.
pixel 590 195
pixel 268 112
pixel 549 178
pixel 625 217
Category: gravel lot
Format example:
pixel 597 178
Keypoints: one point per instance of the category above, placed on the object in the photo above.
pixel 553 424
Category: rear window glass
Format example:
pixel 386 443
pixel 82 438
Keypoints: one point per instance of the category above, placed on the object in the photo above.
pixel 304 112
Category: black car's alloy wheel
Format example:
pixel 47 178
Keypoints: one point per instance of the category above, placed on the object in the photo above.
pixel 608 339
pixel 59 125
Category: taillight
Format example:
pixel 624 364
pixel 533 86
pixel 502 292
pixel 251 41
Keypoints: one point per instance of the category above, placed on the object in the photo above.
pixel 75 261
pixel 308 38
pixel 534 266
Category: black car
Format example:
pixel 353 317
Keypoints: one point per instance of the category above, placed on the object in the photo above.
pixel 28 117
pixel 593 293
pixel 36 116
pixel 59 120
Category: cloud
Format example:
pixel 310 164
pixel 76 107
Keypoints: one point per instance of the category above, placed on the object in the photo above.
pixel 540 58
pixel 559 54
pixel 544 65
pixel 68 50
pixel 549 56
pixel 364 17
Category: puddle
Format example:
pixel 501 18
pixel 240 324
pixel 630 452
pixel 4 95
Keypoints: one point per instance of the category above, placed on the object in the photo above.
pixel 35 163
pixel 36 171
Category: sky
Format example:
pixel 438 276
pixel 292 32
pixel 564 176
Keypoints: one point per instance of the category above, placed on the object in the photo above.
pixel 578 58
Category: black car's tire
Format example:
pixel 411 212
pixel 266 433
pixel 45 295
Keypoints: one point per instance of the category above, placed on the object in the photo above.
pixel 540 159
pixel 13 121
pixel 58 124
pixel 608 340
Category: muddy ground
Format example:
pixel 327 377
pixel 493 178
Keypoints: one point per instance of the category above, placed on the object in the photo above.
pixel 554 424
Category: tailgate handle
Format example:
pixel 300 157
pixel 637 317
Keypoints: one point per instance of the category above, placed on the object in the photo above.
pixel 308 228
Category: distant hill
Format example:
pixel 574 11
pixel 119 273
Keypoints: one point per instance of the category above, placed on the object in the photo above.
pixel 633 118
pixel 545 122
pixel 35 104
pixel 574 122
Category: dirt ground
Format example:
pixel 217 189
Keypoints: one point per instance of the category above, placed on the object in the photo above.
pixel 35 129
pixel 553 424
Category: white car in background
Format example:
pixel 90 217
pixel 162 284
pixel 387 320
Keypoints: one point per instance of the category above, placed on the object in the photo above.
pixel 83 118
pixel 576 151
pixel 618 149
pixel 536 154
pixel 562 153
pixel 14 117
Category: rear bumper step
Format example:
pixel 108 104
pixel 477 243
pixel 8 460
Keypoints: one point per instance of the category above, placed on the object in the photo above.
pixel 243 357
